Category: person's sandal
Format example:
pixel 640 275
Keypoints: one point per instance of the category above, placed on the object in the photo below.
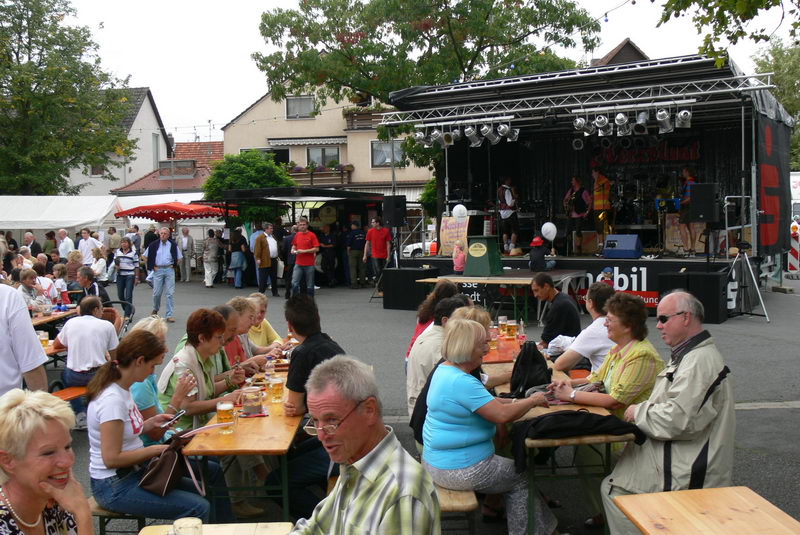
pixel 595 522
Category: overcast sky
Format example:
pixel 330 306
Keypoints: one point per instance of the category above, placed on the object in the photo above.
pixel 195 55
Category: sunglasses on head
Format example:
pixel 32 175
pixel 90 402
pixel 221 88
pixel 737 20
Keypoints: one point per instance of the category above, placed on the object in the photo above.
pixel 664 318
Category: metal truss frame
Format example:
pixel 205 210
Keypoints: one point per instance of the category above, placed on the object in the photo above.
pixel 703 91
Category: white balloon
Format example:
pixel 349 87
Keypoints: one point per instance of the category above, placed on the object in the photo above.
pixel 549 231
pixel 460 211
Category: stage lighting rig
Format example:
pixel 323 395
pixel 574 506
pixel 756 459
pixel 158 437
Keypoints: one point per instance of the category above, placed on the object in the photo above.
pixel 665 125
pixel 488 132
pixel 513 135
pixel 472 134
pixel 577 144
pixel 683 119
pixel 604 128
pixel 640 128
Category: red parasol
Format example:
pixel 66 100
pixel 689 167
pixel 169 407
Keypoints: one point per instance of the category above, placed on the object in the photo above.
pixel 170 211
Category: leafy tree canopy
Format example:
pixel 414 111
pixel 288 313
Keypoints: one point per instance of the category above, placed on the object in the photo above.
pixel 784 61
pixel 730 19
pixel 58 108
pixel 248 170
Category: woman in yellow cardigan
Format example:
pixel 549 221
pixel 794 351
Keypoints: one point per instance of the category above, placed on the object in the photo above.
pixel 262 333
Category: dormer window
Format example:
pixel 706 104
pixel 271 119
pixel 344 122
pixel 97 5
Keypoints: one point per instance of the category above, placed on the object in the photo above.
pixel 300 107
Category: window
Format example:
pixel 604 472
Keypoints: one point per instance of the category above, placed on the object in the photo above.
pixel 382 153
pixel 299 107
pixel 97 170
pixel 323 155
pixel 281 155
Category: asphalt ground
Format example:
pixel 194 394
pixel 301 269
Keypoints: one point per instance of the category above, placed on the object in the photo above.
pixel 764 359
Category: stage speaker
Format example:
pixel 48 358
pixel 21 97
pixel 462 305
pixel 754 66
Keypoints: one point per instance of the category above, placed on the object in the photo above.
pixel 394 211
pixel 704 207
pixel 622 246
pixel 401 291
pixel 711 290
pixel 671 281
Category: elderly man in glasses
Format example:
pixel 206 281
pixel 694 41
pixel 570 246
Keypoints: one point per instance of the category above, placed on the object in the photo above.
pixel 381 488
pixel 689 417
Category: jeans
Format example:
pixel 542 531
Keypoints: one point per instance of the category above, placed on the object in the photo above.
pixel 237 277
pixel 309 466
pixel 377 268
pixel 73 378
pixel 297 275
pixel 125 284
pixel 164 277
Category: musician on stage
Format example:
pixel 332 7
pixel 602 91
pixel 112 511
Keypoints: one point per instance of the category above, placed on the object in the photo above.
pixel 577 202
pixel 601 205
pixel 509 223
pixel 688 230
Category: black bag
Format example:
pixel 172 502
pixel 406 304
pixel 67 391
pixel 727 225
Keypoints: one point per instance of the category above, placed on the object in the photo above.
pixel 530 369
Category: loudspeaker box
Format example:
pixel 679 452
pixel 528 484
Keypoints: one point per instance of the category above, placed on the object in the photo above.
pixel 622 246
pixel 704 207
pixel 394 211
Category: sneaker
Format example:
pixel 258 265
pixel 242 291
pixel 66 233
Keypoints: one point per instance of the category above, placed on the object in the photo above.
pixel 245 510
pixel 80 422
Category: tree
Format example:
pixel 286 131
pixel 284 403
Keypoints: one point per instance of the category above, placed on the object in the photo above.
pixel 729 19
pixel 248 170
pixel 340 49
pixel 784 61
pixel 58 108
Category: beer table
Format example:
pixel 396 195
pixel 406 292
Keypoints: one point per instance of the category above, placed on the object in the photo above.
pixel 724 511
pixel 260 528
pixel 270 435
pixel 41 319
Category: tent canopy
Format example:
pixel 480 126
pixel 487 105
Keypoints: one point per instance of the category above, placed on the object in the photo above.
pixel 54 211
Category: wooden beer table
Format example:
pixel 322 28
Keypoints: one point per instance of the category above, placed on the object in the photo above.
pixel 724 511
pixel 41 319
pixel 270 435
pixel 261 528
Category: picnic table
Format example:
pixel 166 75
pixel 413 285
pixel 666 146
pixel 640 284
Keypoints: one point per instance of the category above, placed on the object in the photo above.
pixel 260 528
pixel 41 319
pixel 724 511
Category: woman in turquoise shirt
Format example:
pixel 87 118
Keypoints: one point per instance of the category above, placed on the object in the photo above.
pixel 460 426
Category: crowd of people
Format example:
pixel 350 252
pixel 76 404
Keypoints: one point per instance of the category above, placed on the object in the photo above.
pixel 683 406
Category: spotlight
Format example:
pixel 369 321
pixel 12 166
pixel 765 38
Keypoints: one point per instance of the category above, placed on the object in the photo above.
pixel 601 121
pixel 683 119
pixel 503 129
pixel 472 135
pixel 624 129
pixel 577 144
pixel 640 127
pixel 427 142
pixel 664 122
pixel 582 125
pixel 489 133
pixel 449 138
pixel 626 142
pixel 436 134
pixel 606 142
pixel 513 135
pixel 419 136
pixel 621 119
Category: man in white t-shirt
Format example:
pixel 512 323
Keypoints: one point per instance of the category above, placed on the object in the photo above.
pixel 592 343
pixel 90 341
pixel 86 245
pixel 21 353
pixel 65 245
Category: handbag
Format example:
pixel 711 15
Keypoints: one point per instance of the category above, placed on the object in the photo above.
pixel 530 369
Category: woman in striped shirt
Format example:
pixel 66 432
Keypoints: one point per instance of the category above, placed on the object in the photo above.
pixel 127 262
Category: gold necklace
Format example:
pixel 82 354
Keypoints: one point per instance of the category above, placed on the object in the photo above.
pixel 13 512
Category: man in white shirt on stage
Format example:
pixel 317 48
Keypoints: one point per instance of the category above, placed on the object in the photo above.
pixel 592 343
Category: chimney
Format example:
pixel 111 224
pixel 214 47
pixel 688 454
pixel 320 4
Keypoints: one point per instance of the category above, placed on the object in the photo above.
pixel 170 146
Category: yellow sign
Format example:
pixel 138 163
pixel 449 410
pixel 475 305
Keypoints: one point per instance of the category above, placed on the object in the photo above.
pixel 327 214
pixel 477 250
pixel 452 229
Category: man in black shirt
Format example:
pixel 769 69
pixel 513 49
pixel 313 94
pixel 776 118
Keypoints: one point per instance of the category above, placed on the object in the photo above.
pixel 356 240
pixel 562 317
pixel 87 283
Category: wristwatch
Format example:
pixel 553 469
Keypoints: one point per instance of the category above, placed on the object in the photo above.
pixel 572 395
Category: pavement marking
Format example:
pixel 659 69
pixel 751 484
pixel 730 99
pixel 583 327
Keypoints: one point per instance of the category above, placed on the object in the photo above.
pixel 758 405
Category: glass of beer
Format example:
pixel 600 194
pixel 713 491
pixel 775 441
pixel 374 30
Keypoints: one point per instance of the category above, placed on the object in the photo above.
pixel 511 329
pixel 44 338
pixel 225 415
pixel 501 322
pixel 276 389
pixel 493 335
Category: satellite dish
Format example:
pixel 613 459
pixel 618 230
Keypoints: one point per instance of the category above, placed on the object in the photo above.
pixel 549 231
pixel 459 211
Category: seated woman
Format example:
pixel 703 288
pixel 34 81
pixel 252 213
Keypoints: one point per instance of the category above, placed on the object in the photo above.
pixel 36 459
pixel 240 349
pixel 117 459
pixel 261 333
pixel 443 289
pixel 74 263
pixel 627 376
pixel 460 426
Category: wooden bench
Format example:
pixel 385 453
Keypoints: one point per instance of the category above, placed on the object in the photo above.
pixel 70 393
pixel 458 501
pixel 104 516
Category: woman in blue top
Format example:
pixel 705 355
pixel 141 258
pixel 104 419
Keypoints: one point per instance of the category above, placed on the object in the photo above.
pixel 460 426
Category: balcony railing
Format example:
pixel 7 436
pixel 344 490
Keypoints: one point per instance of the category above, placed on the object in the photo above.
pixel 362 120
pixel 321 178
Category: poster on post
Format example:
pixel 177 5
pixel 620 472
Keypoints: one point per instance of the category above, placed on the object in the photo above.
pixel 452 229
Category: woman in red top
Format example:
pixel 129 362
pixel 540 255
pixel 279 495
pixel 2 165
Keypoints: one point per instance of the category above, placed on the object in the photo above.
pixel 444 288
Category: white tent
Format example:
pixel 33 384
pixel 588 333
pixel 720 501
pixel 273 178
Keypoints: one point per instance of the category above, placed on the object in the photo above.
pixel 55 211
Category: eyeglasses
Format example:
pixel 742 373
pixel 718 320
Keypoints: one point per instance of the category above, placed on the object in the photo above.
pixel 330 429
pixel 664 318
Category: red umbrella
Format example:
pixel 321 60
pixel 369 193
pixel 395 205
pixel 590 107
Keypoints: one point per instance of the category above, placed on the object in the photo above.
pixel 170 211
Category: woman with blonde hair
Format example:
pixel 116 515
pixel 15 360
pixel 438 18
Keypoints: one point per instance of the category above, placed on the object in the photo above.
pixel 261 333
pixel 99 267
pixel 74 263
pixel 37 487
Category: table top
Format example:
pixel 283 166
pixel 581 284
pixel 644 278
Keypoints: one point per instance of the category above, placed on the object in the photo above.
pixel 507 350
pixel 40 319
pixel 521 279
pixel 271 435
pixel 727 510
pixel 261 528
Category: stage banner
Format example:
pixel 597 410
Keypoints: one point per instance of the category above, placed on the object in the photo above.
pixel 452 229
pixel 774 194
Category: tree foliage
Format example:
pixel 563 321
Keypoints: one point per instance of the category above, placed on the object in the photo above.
pixel 730 19
pixel 58 108
pixel 784 61
pixel 248 170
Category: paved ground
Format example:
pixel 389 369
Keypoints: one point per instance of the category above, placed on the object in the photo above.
pixel 763 357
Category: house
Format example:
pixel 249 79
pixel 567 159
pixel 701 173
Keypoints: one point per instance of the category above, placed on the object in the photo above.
pixel 143 123
pixel 625 52
pixel 337 147
pixel 185 173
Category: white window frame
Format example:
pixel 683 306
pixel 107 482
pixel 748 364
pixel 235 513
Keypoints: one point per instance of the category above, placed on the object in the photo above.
pixel 299 117
pixel 323 147
pixel 400 156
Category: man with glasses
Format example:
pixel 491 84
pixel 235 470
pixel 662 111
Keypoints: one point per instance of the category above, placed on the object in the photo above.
pixel 689 417
pixel 381 487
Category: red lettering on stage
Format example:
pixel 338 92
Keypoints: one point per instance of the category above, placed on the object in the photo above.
pixel 663 152
pixel 768 231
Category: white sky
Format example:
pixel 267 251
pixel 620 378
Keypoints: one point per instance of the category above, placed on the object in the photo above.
pixel 195 55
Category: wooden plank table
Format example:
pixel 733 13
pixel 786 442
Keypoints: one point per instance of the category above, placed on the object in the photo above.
pixel 506 352
pixel 41 319
pixel 261 528
pixel 724 511
pixel 271 435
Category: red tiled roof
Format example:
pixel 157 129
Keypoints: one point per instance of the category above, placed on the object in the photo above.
pixel 152 183
pixel 203 152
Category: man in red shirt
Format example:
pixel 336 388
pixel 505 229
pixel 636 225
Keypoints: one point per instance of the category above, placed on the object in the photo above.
pixel 379 243
pixel 305 245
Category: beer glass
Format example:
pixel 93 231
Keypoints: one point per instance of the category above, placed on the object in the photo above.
pixel 501 322
pixel 276 389
pixel 225 415
pixel 44 338
pixel 188 526
pixel 493 335
pixel 511 329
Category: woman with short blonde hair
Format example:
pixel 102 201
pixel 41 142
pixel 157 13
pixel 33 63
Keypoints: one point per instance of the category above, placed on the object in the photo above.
pixel 36 462
pixel 99 267
pixel 262 333
pixel 475 313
